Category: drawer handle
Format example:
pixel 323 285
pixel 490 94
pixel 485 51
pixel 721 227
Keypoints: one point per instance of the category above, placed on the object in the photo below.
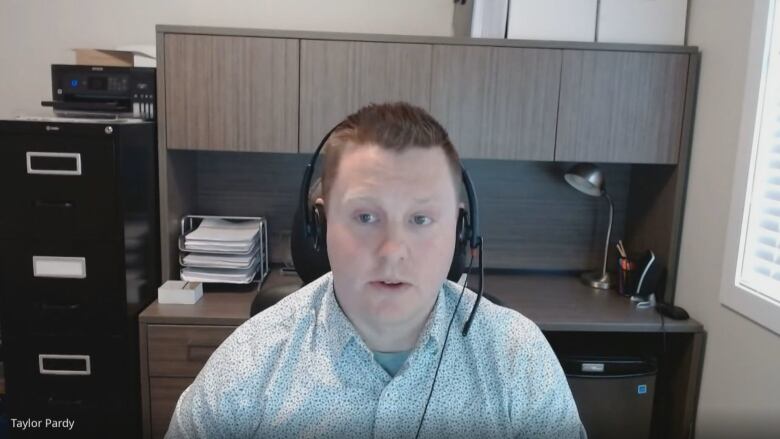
pixel 58 402
pixel 60 267
pixel 53 204
pixel 70 307
pixel 64 364
pixel 53 163
pixel 199 353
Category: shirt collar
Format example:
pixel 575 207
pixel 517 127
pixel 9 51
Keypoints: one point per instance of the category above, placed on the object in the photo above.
pixel 339 331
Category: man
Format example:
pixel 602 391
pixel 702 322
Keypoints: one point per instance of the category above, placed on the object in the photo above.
pixel 354 353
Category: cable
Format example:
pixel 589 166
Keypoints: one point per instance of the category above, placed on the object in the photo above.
pixel 444 345
pixel 467 326
pixel 663 332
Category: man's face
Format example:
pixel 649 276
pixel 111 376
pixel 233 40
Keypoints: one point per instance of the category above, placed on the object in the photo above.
pixel 391 217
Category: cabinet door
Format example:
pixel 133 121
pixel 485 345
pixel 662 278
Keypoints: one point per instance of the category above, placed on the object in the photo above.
pixel 182 350
pixel 621 106
pixel 497 102
pixel 339 77
pixel 231 93
pixel 164 394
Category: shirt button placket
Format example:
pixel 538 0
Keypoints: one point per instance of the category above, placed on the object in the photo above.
pixel 387 413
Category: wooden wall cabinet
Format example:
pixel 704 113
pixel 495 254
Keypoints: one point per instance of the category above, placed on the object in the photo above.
pixel 621 106
pixel 497 102
pixel 340 77
pixel 282 91
pixel 231 93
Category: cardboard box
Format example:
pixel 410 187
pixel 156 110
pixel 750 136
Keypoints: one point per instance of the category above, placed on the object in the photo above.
pixel 99 57
pixel 133 56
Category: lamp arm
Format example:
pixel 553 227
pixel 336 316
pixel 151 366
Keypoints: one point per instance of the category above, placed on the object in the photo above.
pixel 609 232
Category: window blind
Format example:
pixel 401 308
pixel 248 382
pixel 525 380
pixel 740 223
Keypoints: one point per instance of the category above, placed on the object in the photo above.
pixel 758 268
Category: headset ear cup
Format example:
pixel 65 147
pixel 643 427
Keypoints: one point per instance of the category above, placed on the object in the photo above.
pixel 461 232
pixel 461 238
pixel 309 263
pixel 320 228
pixel 458 265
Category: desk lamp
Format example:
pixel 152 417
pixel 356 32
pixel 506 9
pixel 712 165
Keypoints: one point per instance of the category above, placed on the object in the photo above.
pixel 588 179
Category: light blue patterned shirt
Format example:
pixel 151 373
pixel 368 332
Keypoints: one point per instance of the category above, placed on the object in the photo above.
pixel 300 369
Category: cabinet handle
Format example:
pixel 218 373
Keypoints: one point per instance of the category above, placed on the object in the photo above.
pixel 59 267
pixel 70 163
pixel 64 364
pixel 58 402
pixel 53 204
pixel 199 353
pixel 49 307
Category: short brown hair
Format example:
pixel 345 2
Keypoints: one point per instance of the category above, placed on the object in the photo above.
pixel 394 126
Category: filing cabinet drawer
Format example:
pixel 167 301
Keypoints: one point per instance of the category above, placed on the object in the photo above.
pixel 61 287
pixel 86 379
pixel 164 394
pixel 68 372
pixel 182 350
pixel 56 184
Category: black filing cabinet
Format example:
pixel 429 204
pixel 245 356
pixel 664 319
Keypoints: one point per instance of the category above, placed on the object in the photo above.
pixel 79 259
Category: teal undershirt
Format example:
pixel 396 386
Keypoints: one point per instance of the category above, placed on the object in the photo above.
pixel 391 361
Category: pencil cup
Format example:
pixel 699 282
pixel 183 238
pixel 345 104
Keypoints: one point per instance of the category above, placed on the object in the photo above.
pixel 626 269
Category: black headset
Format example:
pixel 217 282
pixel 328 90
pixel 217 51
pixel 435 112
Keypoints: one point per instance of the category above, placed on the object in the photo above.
pixel 308 241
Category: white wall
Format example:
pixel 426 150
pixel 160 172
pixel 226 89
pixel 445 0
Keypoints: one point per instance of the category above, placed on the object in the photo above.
pixel 37 33
pixel 740 393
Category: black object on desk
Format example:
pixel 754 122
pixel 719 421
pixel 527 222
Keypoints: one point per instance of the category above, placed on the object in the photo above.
pixel 267 297
pixel 671 311
pixel 103 91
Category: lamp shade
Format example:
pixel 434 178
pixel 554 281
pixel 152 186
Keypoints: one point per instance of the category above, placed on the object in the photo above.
pixel 586 178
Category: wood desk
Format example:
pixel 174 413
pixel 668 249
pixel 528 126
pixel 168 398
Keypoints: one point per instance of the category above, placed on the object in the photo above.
pixel 580 320
pixel 176 340
pixel 563 303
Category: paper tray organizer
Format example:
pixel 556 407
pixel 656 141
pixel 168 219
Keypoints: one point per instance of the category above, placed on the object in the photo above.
pixel 191 222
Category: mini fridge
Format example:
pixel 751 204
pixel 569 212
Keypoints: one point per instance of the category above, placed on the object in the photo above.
pixel 614 395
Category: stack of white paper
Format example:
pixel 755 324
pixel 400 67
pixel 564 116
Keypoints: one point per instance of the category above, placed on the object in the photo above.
pixel 222 251
pixel 222 260
pixel 216 234
pixel 221 275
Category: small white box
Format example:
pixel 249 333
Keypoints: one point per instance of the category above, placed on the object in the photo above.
pixel 562 20
pixel 179 291
pixel 642 21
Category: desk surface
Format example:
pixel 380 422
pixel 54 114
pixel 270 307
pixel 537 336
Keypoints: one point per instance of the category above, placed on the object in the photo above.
pixel 554 302
pixel 563 303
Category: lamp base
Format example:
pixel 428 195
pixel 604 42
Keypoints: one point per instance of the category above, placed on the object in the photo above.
pixel 594 279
